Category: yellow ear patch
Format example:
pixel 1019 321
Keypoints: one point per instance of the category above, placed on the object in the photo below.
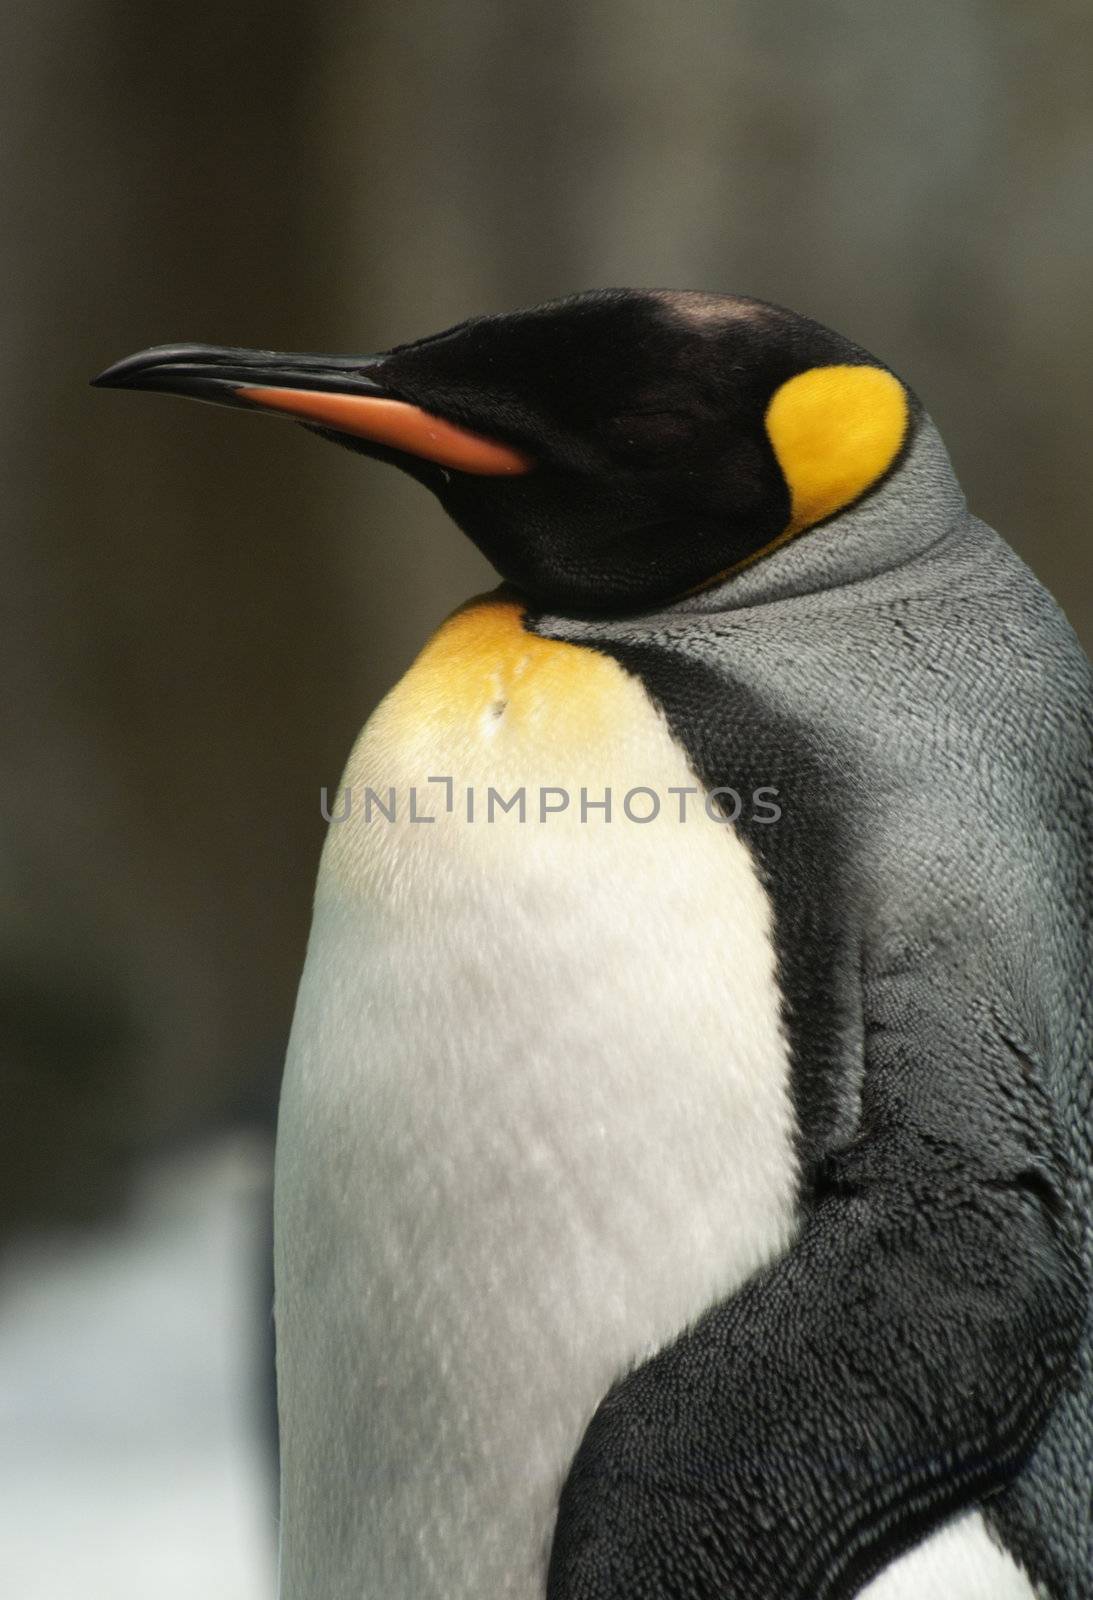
pixel 835 431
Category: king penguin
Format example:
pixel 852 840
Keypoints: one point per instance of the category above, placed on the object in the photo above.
pixel 684 1168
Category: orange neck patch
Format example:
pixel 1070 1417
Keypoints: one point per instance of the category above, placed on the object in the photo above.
pixel 835 431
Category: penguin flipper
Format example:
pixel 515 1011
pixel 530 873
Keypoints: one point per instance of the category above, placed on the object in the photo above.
pixel 895 1366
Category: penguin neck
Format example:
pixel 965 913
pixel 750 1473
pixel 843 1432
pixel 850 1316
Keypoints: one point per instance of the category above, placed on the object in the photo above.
pixel 911 511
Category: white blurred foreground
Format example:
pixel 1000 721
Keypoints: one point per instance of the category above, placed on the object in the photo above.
pixel 132 1457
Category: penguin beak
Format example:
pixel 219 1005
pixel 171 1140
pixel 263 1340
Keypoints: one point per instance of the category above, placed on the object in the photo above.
pixel 344 394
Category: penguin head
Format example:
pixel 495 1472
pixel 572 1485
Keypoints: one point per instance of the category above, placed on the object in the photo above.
pixel 607 452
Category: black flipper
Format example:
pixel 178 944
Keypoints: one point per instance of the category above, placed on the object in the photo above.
pixel 898 1364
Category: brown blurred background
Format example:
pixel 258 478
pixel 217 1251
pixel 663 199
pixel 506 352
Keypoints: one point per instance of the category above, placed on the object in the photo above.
pixel 201 608
pixel 204 607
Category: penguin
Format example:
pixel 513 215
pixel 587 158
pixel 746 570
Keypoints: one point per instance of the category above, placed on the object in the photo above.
pixel 684 1168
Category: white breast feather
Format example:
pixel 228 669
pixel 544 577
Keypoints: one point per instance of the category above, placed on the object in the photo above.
pixel 535 1120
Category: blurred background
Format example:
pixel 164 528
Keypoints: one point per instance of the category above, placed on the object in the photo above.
pixel 201 609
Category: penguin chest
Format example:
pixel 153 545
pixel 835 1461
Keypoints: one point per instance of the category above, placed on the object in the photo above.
pixel 536 1114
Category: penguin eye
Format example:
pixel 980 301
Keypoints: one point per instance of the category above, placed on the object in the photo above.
pixel 639 434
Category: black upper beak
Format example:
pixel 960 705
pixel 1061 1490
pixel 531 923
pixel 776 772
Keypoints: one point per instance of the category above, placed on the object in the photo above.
pixel 336 394
pixel 217 373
